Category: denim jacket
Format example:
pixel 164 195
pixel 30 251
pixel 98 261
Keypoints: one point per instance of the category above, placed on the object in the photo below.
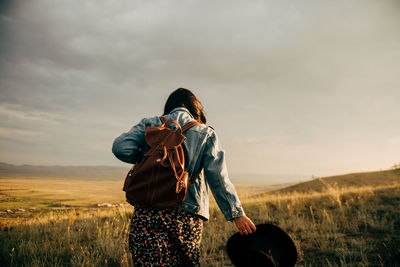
pixel 202 151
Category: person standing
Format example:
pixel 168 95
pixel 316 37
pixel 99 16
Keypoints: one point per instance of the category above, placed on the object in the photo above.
pixel 172 236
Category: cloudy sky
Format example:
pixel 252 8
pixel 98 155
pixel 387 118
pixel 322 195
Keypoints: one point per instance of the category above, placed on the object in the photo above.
pixel 291 87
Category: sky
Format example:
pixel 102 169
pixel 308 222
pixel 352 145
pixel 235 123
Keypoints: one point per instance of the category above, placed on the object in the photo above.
pixel 291 87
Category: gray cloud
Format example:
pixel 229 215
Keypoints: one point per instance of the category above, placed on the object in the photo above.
pixel 299 74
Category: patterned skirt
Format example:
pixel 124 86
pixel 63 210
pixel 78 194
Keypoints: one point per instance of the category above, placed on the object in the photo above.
pixel 165 237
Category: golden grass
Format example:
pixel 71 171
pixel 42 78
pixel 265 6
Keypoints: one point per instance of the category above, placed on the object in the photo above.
pixel 340 226
pixel 43 192
pixel 376 178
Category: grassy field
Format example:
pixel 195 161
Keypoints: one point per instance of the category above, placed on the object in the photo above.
pixel 336 226
pixel 379 178
pixel 56 192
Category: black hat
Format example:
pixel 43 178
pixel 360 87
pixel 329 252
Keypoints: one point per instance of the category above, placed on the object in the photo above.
pixel 268 246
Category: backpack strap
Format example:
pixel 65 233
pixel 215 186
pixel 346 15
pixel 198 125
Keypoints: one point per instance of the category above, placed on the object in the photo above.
pixel 189 125
pixel 165 123
pixel 184 128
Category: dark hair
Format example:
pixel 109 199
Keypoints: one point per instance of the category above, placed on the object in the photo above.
pixel 183 97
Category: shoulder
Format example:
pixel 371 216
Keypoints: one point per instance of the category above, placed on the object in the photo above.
pixel 151 121
pixel 211 133
pixel 204 129
pixel 211 130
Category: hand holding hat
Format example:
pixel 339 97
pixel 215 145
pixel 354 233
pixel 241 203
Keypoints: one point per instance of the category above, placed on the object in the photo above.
pixel 269 245
pixel 244 225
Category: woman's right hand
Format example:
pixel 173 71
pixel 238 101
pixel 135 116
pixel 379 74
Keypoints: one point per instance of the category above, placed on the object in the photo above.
pixel 244 225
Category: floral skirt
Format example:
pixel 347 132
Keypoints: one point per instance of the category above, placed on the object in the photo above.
pixel 165 237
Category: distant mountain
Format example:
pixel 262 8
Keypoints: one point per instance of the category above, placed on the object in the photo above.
pixel 119 173
pixel 266 179
pixel 353 179
pixel 71 172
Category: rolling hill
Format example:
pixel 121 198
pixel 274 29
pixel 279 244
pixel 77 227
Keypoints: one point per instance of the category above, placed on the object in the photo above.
pixel 376 178
pixel 71 172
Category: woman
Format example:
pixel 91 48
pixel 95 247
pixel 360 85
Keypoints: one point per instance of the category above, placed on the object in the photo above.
pixel 171 236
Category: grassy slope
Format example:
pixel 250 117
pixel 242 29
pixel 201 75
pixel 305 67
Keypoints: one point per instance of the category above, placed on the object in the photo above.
pixel 348 180
pixel 339 226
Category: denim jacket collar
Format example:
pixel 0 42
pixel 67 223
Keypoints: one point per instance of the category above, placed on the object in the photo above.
pixel 181 109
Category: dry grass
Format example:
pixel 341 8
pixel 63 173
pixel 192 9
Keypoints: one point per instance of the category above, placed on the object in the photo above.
pixel 378 178
pixel 16 192
pixel 339 226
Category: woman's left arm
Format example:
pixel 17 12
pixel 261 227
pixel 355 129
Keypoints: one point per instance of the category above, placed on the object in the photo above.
pixel 224 192
pixel 127 147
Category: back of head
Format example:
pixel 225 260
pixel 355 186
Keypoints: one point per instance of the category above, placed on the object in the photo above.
pixel 183 97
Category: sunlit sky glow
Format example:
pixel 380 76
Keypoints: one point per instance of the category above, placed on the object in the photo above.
pixel 291 87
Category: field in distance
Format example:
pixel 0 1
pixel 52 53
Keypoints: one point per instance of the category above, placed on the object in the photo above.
pixel 57 192
pixel 348 220
pixel 44 192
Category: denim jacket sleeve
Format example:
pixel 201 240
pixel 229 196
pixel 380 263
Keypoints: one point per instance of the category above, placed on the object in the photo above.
pixel 128 146
pixel 216 174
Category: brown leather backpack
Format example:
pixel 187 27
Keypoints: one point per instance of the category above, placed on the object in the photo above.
pixel 159 179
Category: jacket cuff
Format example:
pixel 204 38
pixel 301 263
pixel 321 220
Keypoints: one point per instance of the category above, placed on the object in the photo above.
pixel 234 213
